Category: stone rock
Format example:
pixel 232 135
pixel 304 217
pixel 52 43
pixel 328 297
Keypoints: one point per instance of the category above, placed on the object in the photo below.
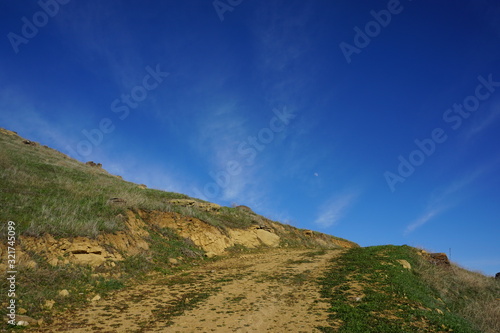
pixel 247 238
pixel 94 165
pixel 89 259
pixel 49 304
pixel 422 253
pixel 173 261
pixel 497 276
pixel 53 261
pixel 64 293
pixel 30 143
pixel 438 259
pixel 132 241
pixel 308 232
pixel 22 323
pixel 142 186
pixel 77 250
pixel 202 234
pixel 210 254
pixel 96 298
pixel 21 311
pixel 404 263
pixel 28 320
pixel 268 238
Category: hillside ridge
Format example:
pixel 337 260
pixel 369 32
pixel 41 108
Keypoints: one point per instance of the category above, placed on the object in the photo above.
pixel 107 254
pixel 76 216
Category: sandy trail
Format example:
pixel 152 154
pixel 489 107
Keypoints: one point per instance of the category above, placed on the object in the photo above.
pixel 272 291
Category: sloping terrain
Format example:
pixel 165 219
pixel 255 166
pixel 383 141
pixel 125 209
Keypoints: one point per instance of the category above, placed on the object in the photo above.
pixel 375 289
pixel 272 291
pixel 95 253
pixel 82 232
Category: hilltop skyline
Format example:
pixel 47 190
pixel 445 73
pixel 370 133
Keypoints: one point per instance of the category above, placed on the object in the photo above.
pixel 376 121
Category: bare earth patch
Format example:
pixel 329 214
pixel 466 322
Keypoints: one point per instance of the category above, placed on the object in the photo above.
pixel 273 291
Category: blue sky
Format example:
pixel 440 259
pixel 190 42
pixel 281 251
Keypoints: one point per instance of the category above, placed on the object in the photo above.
pixel 376 121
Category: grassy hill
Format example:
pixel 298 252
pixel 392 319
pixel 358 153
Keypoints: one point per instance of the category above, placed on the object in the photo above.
pixel 80 227
pixel 396 289
pixel 45 191
pixel 83 234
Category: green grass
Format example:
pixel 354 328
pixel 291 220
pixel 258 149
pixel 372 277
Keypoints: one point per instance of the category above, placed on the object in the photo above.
pixel 36 286
pixel 369 291
pixel 46 192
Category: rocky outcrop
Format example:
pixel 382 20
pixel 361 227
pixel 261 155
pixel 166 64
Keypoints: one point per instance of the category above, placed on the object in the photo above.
pixel 210 238
pixel 23 320
pixel 78 250
pixel 30 143
pixel 95 165
pixel 440 259
pixel 404 263
pixel 106 249
pixel 252 238
pixel 131 241
pixel 204 235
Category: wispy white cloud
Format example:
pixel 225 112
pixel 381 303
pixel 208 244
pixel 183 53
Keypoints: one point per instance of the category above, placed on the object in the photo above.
pixel 219 132
pixel 424 218
pixel 335 208
pixel 485 122
pixel 443 199
pixel 279 42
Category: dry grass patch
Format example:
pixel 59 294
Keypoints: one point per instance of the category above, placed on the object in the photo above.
pixel 473 295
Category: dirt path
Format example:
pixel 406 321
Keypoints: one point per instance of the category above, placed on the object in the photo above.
pixel 273 291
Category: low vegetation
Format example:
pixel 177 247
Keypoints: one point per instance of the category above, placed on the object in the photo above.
pixel 370 291
pixel 470 294
pixel 85 282
pixel 47 192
